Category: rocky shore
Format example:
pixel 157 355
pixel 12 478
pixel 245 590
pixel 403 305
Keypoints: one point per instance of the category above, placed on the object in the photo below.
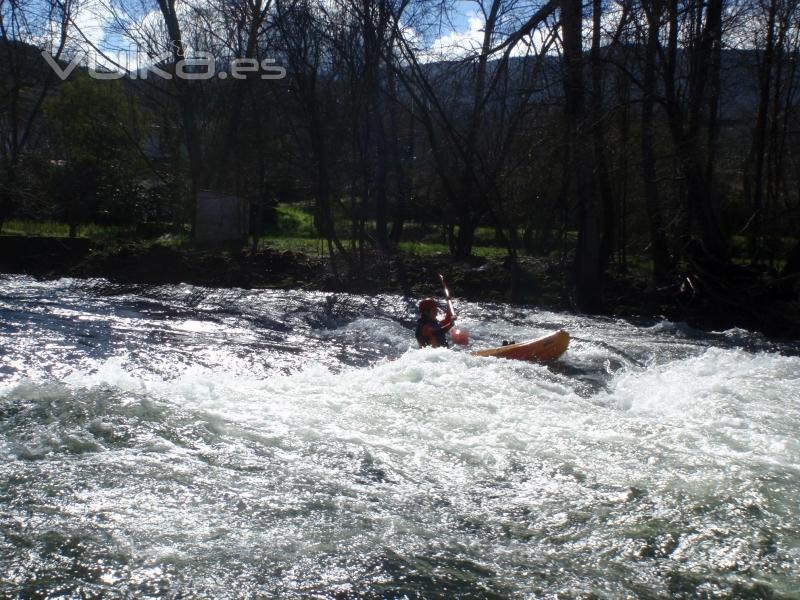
pixel 750 300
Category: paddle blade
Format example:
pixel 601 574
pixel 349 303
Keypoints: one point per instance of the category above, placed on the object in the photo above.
pixel 459 336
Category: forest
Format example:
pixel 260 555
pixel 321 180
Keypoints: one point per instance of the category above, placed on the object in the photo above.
pixel 655 137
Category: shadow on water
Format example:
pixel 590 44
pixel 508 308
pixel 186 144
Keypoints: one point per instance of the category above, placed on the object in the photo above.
pixel 444 576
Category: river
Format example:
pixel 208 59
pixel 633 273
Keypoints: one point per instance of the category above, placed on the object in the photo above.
pixel 200 443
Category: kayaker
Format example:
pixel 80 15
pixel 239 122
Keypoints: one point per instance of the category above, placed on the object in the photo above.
pixel 432 331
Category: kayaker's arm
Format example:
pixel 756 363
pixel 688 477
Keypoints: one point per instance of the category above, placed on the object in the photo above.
pixel 446 324
pixel 431 331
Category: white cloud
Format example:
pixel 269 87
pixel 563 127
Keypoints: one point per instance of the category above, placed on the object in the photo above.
pixel 469 41
pixel 90 18
pixel 116 35
pixel 457 44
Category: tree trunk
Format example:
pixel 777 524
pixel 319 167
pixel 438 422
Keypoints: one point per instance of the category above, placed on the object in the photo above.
pixel 227 178
pixel 600 147
pixel 185 104
pixel 700 190
pixel 760 137
pixel 587 284
pixel 658 241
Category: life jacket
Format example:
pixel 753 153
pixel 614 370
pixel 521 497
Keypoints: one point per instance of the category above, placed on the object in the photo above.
pixel 438 333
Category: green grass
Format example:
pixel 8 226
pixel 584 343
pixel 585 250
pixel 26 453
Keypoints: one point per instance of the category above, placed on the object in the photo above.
pixel 293 222
pixel 45 229
pixel 487 236
pixel 174 240
pixel 424 248
pixel 429 249
pixel 293 231
pixel 489 251
pixel 94 231
pixel 310 245
pixel 414 232
pixel 57 229
pixel 294 244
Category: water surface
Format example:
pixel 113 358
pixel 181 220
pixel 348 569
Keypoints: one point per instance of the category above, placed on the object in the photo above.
pixel 182 441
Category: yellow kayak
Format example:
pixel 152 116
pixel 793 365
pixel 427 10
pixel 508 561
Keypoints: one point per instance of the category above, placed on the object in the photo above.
pixel 546 348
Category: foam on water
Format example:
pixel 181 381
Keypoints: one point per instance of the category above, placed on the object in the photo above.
pixel 199 453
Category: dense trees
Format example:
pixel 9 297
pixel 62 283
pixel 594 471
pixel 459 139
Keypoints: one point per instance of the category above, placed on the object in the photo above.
pixel 656 131
pixel 95 134
pixel 25 83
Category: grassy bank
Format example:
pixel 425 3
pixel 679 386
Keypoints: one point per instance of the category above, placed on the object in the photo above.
pixel 292 231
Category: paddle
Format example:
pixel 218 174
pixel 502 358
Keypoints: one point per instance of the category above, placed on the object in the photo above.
pixel 459 336
pixel 447 295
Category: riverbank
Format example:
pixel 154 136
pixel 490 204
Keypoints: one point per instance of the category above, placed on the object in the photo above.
pixel 713 301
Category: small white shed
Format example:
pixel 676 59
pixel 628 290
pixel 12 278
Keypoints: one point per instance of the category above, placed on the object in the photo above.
pixel 221 218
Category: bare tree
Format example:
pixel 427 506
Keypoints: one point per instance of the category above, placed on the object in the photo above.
pixel 763 164
pixel 581 172
pixel 301 43
pixel 26 30
pixel 654 13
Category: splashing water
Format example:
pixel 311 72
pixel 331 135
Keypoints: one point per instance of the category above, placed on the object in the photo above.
pixel 190 442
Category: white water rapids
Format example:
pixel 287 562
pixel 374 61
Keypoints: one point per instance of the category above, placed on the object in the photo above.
pixel 186 442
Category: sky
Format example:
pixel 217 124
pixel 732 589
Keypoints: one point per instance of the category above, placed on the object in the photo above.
pixel 460 34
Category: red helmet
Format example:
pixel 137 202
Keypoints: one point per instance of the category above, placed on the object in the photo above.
pixel 427 304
